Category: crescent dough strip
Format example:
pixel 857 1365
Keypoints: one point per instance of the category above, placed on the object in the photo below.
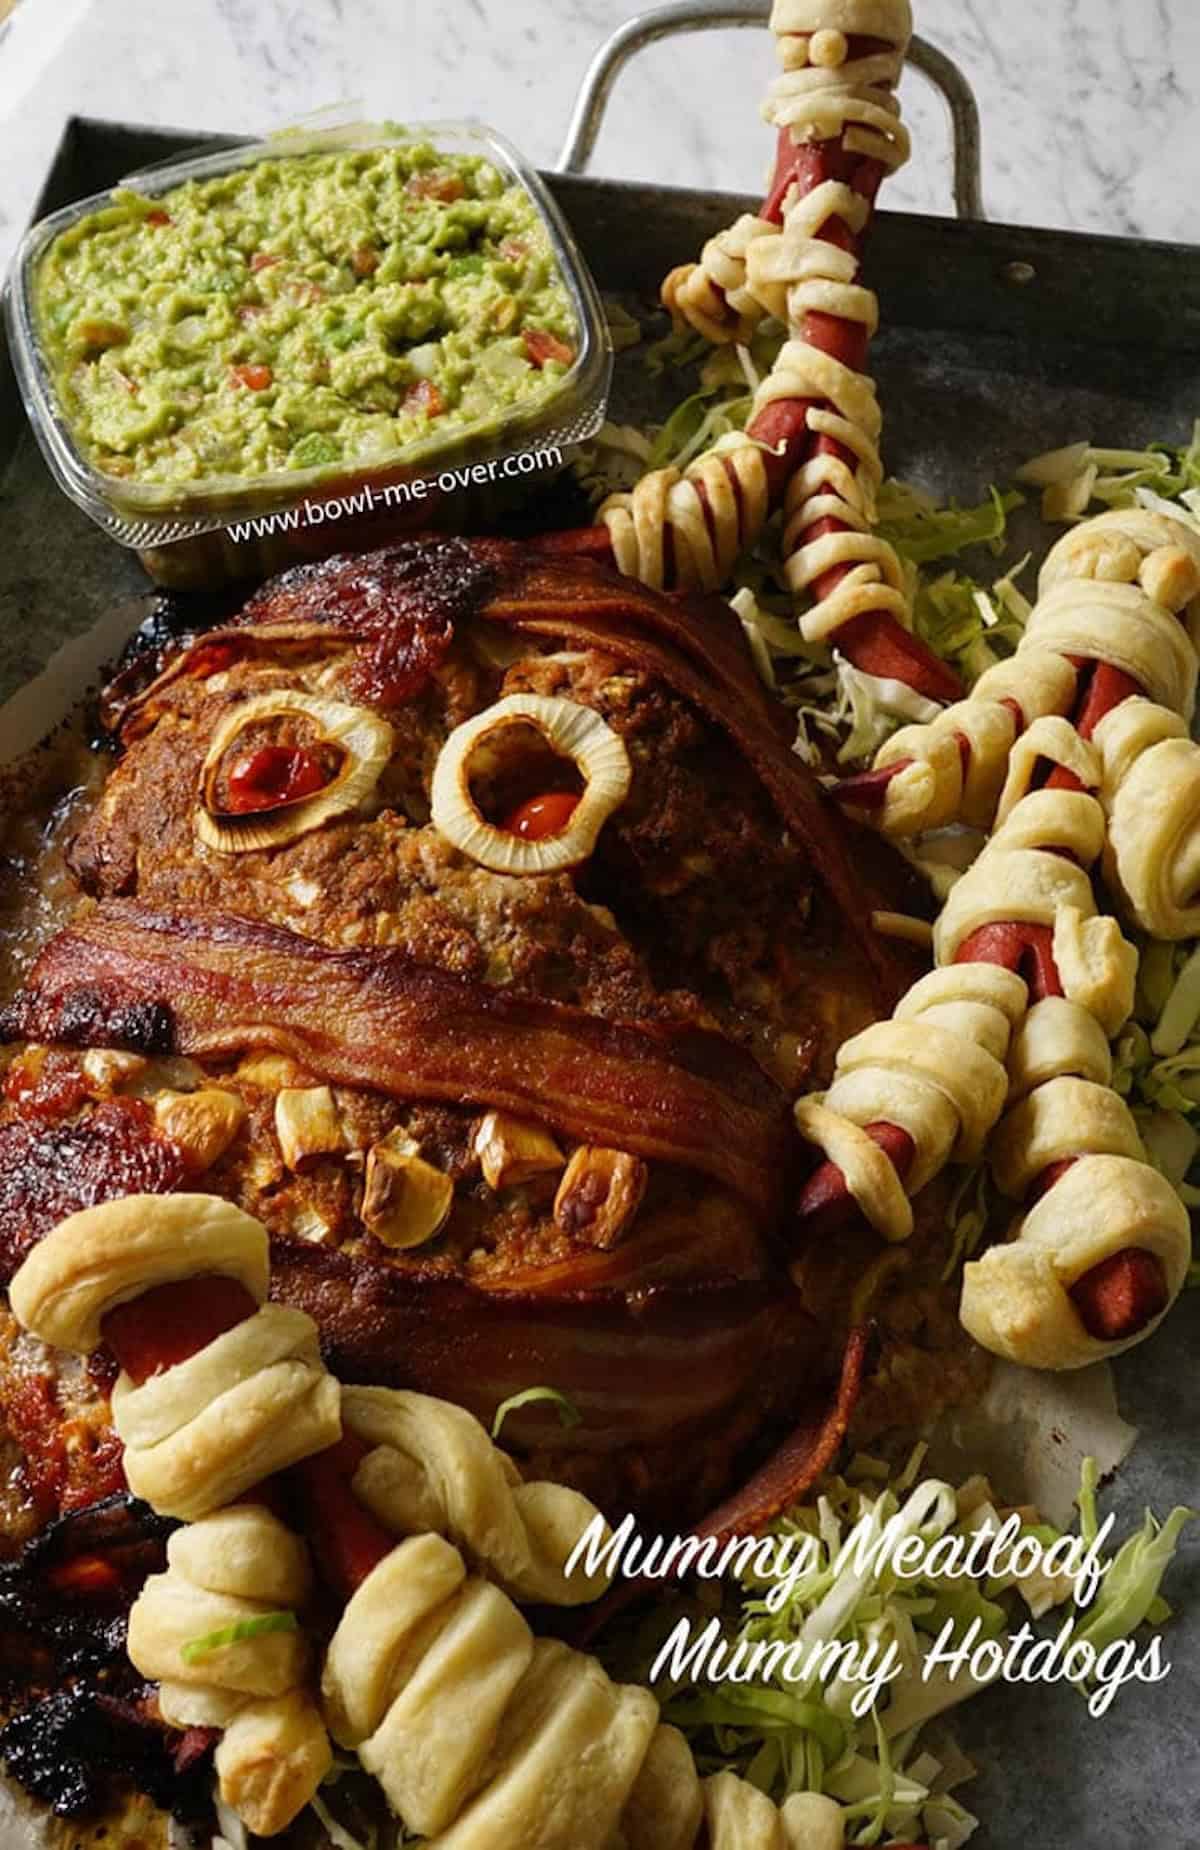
pixel 238 1565
pixel 711 296
pixel 481 1736
pixel 103 1256
pixel 1124 590
pixel 1151 791
pixel 433 1468
pixel 691 527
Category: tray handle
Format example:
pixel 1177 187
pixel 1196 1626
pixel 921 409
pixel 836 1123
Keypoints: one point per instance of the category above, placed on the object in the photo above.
pixel 704 15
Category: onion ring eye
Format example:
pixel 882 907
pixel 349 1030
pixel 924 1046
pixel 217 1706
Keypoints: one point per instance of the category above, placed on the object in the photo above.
pixel 573 732
pixel 352 739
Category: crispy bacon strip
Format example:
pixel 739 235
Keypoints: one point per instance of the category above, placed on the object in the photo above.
pixel 785 1479
pixel 214 985
pixel 639 1374
pixel 803 1457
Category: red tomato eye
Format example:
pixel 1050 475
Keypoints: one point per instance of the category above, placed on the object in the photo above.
pixel 539 817
pixel 271 776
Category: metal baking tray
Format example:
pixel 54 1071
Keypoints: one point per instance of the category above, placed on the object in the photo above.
pixel 997 342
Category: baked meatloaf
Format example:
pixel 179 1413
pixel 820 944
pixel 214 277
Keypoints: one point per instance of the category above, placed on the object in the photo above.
pixel 463 913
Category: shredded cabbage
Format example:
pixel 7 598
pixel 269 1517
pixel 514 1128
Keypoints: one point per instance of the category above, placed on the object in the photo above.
pixel 568 1413
pixel 921 531
pixel 1157 1065
pixel 232 1830
pixel 615 459
pixel 889 1769
pixel 1072 478
pixel 239 1633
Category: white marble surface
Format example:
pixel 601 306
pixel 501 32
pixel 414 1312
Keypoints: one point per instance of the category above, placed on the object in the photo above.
pixel 1091 108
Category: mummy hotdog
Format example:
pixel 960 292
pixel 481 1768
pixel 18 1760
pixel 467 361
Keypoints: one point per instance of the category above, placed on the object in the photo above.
pixel 484 1736
pixel 1116 619
pixel 218 1390
pixel 812 441
pixel 1093 1269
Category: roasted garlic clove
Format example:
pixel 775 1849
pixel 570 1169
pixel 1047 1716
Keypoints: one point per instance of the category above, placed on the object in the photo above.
pixel 361 740
pixel 572 731
pixel 200 1124
pixel 271 1072
pixel 514 1150
pixel 406 1200
pixel 308 1125
pixel 599 1195
pixel 110 1068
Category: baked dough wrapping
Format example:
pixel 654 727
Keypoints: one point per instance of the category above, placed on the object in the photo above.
pixel 1016 1298
pixel 1123 589
pixel 237 1566
pixel 692 526
pixel 484 1737
pixel 433 1469
pixel 250 1403
pixel 712 296
pixel 1151 791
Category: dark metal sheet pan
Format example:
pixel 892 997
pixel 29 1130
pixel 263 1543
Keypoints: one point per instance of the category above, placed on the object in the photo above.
pixel 976 372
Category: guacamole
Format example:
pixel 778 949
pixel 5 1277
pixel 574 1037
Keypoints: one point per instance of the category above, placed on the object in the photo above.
pixel 308 310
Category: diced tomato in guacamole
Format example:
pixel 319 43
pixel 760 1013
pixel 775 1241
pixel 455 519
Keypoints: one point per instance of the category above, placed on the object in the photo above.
pixel 310 311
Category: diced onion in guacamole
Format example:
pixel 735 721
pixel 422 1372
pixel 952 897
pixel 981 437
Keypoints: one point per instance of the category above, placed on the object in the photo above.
pixel 305 312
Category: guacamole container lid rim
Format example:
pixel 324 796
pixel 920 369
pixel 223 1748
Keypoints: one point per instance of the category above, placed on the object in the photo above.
pixel 153 515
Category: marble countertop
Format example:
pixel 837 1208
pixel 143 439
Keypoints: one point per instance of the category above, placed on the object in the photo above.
pixel 1091 108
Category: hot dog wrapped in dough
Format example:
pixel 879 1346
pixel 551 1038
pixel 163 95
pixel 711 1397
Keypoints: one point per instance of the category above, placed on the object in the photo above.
pixel 249 1403
pixel 220 1633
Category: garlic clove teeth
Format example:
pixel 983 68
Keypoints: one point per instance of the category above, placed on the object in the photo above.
pixel 358 739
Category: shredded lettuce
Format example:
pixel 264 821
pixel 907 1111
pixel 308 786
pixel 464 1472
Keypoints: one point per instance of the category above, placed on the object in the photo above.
pixel 922 532
pixel 1157 1064
pixel 968 1214
pixel 1074 477
pixel 1129 1590
pixel 232 1830
pixel 338 1835
pixel 615 459
pixel 197 1648
pixel 968 625
pixel 681 347
pixel 624 329
pixel 568 1413
pixel 891 1769
pixel 695 425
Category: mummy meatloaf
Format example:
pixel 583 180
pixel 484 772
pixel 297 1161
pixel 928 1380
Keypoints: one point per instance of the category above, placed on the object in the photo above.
pixel 465 917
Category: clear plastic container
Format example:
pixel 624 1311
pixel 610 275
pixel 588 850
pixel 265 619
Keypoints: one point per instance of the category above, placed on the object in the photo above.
pixel 183 532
